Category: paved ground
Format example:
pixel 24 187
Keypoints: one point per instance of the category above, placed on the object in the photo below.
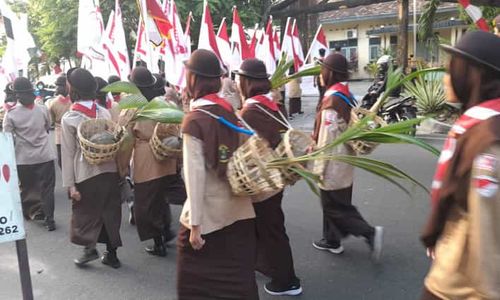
pixel 324 276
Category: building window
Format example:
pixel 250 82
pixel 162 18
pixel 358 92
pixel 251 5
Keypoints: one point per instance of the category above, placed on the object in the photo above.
pixel 348 48
pixel 374 48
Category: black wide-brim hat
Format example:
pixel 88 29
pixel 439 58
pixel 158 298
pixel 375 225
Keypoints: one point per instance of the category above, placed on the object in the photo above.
pixel 204 63
pixel 142 77
pixel 478 46
pixel 61 80
pixel 101 83
pixel 22 85
pixel 253 68
pixel 335 62
pixel 82 82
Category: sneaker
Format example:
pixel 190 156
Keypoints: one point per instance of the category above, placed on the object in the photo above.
pixel 131 218
pixel 156 250
pixel 50 225
pixel 88 256
pixel 110 259
pixel 292 290
pixel 376 243
pixel 325 246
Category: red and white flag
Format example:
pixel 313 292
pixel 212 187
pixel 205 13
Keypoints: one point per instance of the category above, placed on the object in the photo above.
pixel 240 48
pixel 175 50
pixel 318 43
pixel 297 46
pixel 187 33
pixel 277 44
pixel 143 49
pixel 475 14
pixel 207 39
pixel 266 49
pixel 254 41
pixel 115 44
pixel 223 44
pixel 287 45
pixel 157 25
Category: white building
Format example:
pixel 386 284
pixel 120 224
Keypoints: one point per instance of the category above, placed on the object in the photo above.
pixel 364 33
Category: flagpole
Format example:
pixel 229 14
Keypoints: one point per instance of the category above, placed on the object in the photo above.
pixel 315 37
pixel 220 26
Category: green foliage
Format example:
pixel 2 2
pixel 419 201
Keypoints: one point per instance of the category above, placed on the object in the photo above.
pixel 280 76
pixel 372 69
pixel 395 79
pixel 426 20
pixel 121 87
pixel 390 134
pixel 429 93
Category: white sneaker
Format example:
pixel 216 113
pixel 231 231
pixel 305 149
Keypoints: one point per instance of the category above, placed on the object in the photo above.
pixel 378 241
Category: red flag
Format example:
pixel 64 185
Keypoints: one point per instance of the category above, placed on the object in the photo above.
pixel 207 38
pixel 238 38
pixel 318 43
pixel 297 46
pixel 266 51
pixel 223 44
pixel 253 42
pixel 277 45
pixel 155 12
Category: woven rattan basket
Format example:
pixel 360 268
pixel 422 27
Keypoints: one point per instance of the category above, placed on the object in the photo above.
pixel 99 153
pixel 247 172
pixel 160 150
pixel 295 143
pixel 2 115
pixel 362 147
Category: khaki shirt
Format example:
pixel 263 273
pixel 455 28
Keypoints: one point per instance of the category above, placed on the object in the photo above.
pixel 144 165
pixel 210 202
pixel 58 107
pixel 334 175
pixel 30 128
pixel 75 168
pixel 467 263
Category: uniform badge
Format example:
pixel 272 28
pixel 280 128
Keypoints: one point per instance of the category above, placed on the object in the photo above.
pixel 223 153
pixel 486 186
pixel 486 162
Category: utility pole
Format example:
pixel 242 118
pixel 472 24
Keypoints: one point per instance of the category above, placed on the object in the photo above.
pixel 403 19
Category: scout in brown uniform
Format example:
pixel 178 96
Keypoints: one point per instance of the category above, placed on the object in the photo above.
pixel 463 232
pixel 340 217
pixel 96 206
pixel 152 178
pixel 216 245
pixel 30 123
pixel 58 106
pixel 274 255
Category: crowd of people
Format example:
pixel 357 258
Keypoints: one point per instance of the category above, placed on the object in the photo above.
pixel 223 239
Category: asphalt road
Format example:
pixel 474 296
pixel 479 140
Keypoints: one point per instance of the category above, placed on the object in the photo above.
pixel 351 275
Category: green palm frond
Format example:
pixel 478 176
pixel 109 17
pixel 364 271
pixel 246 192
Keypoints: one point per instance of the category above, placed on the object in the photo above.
pixel 395 79
pixel 121 87
pixel 132 101
pixel 163 115
pixel 426 20
pixel 280 77
pixel 429 93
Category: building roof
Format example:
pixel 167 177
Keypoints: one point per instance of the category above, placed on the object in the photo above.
pixel 376 11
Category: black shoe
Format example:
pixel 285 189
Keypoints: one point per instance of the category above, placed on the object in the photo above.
pixel 325 246
pixel 131 218
pixel 88 256
pixel 301 112
pixel 50 225
pixel 376 242
pixel 38 217
pixel 291 290
pixel 110 259
pixel 157 250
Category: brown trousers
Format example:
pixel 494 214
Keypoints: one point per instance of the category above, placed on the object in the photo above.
pixel 222 269
pixel 37 183
pixel 274 255
pixel 295 105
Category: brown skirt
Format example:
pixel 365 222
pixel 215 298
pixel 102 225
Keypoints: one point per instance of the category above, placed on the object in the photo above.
pixel 274 255
pixel 222 269
pixel 150 208
pixel 97 216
